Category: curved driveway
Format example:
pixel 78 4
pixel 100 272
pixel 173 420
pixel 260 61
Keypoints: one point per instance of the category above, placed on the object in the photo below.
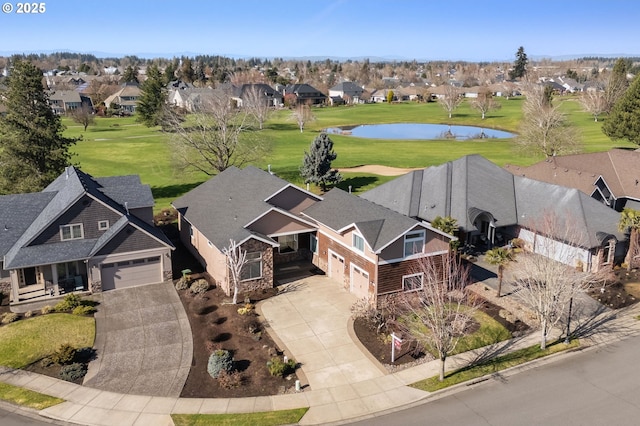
pixel 143 342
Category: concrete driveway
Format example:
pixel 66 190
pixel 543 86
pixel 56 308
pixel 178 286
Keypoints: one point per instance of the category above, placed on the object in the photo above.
pixel 310 318
pixel 143 342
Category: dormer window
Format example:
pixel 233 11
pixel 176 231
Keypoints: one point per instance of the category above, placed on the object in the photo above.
pixel 71 232
pixel 103 225
pixel 413 243
pixel 358 242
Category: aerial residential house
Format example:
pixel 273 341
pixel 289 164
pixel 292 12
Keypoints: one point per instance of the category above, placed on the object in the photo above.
pixel 349 91
pixel 265 93
pixel 126 98
pixel 611 177
pixel 81 234
pixel 370 249
pixel 305 94
pixel 64 101
pixel 493 206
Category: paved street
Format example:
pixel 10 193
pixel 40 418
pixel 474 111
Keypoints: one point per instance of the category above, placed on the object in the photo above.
pixel 597 387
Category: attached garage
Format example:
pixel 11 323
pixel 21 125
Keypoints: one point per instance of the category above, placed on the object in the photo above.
pixel 130 273
pixel 336 267
pixel 359 282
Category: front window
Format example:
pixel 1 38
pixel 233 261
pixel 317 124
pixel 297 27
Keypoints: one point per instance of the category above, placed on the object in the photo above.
pixel 413 243
pixel 358 242
pixel 252 269
pixel 71 232
pixel 313 244
pixel 288 243
pixel 412 282
pixel 103 225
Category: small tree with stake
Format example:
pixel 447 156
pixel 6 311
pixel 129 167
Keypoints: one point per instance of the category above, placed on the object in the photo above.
pixel 236 259
pixel 316 165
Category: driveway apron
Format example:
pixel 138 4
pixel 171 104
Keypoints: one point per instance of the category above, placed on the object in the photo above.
pixel 311 318
pixel 143 342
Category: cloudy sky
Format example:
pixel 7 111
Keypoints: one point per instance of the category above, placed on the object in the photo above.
pixel 480 30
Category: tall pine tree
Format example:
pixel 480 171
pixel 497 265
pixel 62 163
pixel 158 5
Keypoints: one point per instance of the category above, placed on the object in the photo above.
pixel 520 65
pixel 623 121
pixel 152 98
pixel 33 151
pixel 316 166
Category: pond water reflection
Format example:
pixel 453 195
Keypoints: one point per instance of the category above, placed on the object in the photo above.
pixel 419 131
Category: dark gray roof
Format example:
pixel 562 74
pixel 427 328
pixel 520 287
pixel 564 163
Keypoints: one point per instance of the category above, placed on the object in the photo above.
pixel 224 205
pixel 472 185
pixel 38 210
pixel 126 189
pixel 379 225
pixel 347 86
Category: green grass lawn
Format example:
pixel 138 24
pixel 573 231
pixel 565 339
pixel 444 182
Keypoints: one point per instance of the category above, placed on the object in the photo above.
pixel 116 146
pixel 26 397
pixel 28 340
pixel 270 418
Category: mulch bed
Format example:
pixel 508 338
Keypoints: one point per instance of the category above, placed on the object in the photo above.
pixel 618 294
pixel 213 320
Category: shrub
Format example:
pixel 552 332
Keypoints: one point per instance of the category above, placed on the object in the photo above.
pixel 46 310
pixel 182 284
pixel 218 361
pixel 28 314
pixel 69 303
pixel 46 362
pixel 229 379
pixel 83 310
pixel 247 309
pixel 253 326
pixel 199 287
pixel 64 354
pixel 73 372
pixel 9 317
pixel 277 366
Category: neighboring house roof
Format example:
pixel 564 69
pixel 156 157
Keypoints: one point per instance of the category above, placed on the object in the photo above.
pixel 28 215
pixel 378 225
pixel 618 167
pixel 347 87
pixel 222 207
pixel 304 91
pixel 472 185
pixel 65 96
pixel 262 88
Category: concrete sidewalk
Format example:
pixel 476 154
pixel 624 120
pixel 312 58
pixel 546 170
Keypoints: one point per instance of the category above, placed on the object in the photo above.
pixel 358 398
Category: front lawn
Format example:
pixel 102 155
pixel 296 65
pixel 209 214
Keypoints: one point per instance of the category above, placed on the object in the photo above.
pixel 30 339
pixel 269 418
pixel 26 397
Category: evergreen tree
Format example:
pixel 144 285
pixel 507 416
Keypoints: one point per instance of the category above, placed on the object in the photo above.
pixel 152 98
pixel 170 71
pixel 33 151
pixel 520 65
pixel 131 74
pixel 186 71
pixel 624 120
pixel 316 166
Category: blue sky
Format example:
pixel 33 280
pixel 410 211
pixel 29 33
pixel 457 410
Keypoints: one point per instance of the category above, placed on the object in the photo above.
pixel 479 30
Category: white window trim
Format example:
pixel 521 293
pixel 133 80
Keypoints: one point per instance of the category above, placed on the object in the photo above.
pixel 70 227
pixel 103 225
pixel 353 242
pixel 404 277
pixel 406 240
pixel 295 238
pixel 258 260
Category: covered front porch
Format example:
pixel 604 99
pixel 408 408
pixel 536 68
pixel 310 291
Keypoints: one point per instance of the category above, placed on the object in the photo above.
pixel 43 282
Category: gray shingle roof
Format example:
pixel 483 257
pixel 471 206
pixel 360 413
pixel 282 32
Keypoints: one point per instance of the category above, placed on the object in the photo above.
pixel 466 187
pixel 17 212
pixel 379 225
pixel 221 207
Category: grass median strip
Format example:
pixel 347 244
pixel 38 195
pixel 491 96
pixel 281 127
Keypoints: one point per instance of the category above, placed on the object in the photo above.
pixel 268 418
pixel 27 398
pixel 494 365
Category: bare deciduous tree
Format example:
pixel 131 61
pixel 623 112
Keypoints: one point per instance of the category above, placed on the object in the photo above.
pixel 84 116
pixel 485 102
pixel 215 137
pixel 236 260
pixel 548 278
pixel 257 104
pixel 544 129
pixel 594 102
pixel 451 99
pixel 439 312
pixel 302 114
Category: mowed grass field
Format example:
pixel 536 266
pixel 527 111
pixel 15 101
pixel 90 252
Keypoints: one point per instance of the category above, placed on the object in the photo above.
pixel 117 146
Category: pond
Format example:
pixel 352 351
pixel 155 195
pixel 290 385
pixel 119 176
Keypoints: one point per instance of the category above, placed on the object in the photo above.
pixel 419 131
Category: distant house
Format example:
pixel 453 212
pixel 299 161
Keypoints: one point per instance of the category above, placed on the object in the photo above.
pixel 611 177
pixel 64 101
pixel 267 94
pixel 305 94
pixel 349 91
pixel 186 98
pixel 369 249
pixel 492 206
pixel 81 234
pixel 126 98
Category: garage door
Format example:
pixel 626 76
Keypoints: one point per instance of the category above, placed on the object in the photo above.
pixel 359 282
pixel 336 267
pixel 131 273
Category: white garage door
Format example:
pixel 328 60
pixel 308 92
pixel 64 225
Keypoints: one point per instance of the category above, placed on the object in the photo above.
pixel 336 267
pixel 359 282
pixel 131 273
